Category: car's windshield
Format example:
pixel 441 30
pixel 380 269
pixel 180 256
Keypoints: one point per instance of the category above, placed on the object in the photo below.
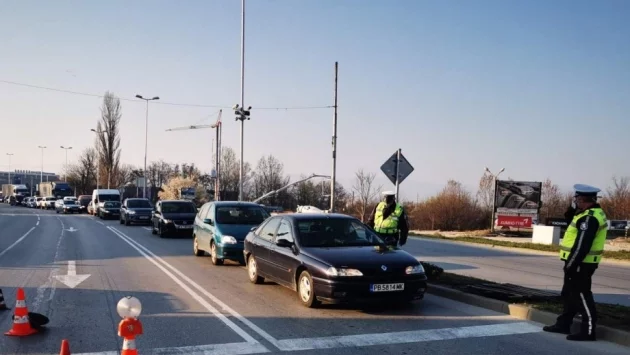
pixel 334 232
pixel 108 197
pixel 70 202
pixel 250 215
pixel 138 204
pixel 112 204
pixel 50 199
pixel 178 207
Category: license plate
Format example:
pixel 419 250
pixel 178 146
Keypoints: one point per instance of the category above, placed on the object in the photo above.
pixel 387 287
pixel 185 227
pixel 144 217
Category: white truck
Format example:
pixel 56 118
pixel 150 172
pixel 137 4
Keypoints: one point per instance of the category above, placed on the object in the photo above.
pixel 100 196
pixel 18 191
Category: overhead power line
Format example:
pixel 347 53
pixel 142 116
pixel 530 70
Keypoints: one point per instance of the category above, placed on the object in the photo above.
pixel 158 102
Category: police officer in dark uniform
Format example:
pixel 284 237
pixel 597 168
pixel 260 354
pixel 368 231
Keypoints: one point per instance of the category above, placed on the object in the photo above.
pixel 581 250
pixel 389 220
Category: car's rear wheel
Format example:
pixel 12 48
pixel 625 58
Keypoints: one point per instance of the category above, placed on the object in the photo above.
pixel 196 250
pixel 306 290
pixel 252 271
pixel 213 254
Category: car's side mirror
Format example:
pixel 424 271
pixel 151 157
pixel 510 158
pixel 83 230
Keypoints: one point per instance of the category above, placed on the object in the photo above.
pixel 253 229
pixel 208 221
pixel 283 243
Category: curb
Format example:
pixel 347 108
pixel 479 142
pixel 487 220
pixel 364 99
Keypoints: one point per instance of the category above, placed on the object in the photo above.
pixel 608 261
pixel 526 313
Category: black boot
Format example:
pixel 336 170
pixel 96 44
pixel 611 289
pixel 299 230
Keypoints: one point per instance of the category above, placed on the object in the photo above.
pixel 557 328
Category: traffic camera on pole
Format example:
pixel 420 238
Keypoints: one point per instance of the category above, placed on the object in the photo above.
pixel 241 113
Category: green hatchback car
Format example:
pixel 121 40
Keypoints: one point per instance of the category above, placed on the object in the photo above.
pixel 221 227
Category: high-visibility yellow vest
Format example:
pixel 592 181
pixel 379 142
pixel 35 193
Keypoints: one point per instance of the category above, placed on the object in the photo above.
pixel 388 225
pixel 594 256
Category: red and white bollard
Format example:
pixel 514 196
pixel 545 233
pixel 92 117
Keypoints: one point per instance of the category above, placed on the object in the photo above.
pixel 129 308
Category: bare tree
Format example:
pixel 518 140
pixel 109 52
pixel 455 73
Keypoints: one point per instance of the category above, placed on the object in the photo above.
pixel 269 176
pixel 229 175
pixel 82 174
pixel 616 203
pixel 553 201
pixel 159 172
pixel 108 142
pixel 367 192
pixel 124 174
pixel 485 194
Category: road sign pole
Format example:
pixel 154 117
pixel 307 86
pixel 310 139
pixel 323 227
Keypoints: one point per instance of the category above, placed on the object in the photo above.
pixel 397 173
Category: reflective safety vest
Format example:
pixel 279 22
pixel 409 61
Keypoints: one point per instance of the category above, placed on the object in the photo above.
pixel 388 225
pixel 594 256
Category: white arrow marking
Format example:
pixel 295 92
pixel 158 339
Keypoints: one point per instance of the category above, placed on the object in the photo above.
pixel 71 229
pixel 72 280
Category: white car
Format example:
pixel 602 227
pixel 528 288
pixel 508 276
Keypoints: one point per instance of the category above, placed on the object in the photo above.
pixel 49 202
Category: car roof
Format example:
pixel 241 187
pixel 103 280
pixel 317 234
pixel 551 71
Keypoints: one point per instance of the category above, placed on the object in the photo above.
pixel 176 201
pixel 137 198
pixel 236 203
pixel 311 216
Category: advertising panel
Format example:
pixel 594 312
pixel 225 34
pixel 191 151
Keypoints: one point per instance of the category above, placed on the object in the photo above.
pixel 617 225
pixel 514 221
pixel 522 197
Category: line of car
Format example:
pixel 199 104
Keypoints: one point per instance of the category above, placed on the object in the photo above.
pixel 323 257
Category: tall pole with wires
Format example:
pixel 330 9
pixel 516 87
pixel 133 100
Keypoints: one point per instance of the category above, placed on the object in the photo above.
pixel 146 142
pixel 241 163
pixel 333 176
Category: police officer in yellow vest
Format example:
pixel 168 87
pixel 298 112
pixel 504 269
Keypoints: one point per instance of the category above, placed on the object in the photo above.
pixel 581 250
pixel 389 220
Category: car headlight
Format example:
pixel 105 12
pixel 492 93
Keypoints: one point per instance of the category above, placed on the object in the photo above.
pixel 343 272
pixel 417 269
pixel 166 221
pixel 131 212
pixel 228 239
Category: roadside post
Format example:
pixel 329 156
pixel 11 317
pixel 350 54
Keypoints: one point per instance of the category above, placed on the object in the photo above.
pixel 397 168
pixel 129 308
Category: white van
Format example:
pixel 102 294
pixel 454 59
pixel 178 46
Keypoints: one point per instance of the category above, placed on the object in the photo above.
pixel 100 196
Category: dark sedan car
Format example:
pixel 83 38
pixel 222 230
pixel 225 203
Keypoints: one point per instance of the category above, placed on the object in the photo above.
pixel 333 258
pixel 110 209
pixel 136 210
pixel 173 217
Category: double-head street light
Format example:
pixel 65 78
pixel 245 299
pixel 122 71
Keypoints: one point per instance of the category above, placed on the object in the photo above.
pixel 66 167
pixel 10 155
pixel 494 195
pixel 241 115
pixel 146 140
pixel 41 175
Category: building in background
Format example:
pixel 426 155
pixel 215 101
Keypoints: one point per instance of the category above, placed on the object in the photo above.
pixel 27 177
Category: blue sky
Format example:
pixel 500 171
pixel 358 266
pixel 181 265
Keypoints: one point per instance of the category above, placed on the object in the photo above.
pixel 540 88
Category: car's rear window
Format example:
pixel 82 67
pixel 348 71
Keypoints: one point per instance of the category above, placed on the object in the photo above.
pixel 178 207
pixel 138 204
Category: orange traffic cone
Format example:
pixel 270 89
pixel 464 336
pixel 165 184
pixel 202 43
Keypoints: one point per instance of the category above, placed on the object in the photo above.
pixel 21 324
pixel 3 306
pixel 65 348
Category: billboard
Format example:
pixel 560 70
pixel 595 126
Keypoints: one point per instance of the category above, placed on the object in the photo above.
pixel 617 225
pixel 187 193
pixel 514 221
pixel 522 197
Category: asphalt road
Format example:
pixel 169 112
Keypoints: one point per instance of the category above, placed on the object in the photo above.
pixel 192 307
pixel 611 282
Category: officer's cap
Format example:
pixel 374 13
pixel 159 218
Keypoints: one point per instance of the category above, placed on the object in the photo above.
pixel 389 193
pixel 585 190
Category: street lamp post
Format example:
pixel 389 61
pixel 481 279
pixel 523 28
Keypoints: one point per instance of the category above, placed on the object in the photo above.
pixel 66 167
pixel 241 113
pixel 10 155
pixel 146 141
pixel 494 195
pixel 41 174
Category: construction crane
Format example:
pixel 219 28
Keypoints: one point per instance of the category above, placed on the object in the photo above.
pixel 217 158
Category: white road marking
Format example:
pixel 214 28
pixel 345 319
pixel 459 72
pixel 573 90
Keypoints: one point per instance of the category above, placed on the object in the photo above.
pixel 100 222
pixel 72 280
pixel 17 242
pixel 213 349
pixel 37 224
pixel 214 299
pixel 50 282
pixel 147 228
pixel 351 341
pixel 248 338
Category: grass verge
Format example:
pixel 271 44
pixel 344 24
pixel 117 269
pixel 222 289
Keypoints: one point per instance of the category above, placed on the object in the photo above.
pixel 618 255
pixel 614 316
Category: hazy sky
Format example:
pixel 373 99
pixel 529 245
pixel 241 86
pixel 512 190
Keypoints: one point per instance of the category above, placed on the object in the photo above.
pixel 541 88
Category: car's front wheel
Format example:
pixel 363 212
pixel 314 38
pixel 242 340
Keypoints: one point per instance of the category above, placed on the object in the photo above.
pixel 306 290
pixel 213 254
pixel 252 271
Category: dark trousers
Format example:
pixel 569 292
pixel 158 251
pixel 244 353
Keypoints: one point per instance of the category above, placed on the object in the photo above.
pixel 578 298
pixel 390 239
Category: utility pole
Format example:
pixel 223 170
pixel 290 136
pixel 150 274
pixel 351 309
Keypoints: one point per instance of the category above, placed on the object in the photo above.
pixel 494 195
pixel 333 178
pixel 41 174
pixel 146 142
pixel 241 117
